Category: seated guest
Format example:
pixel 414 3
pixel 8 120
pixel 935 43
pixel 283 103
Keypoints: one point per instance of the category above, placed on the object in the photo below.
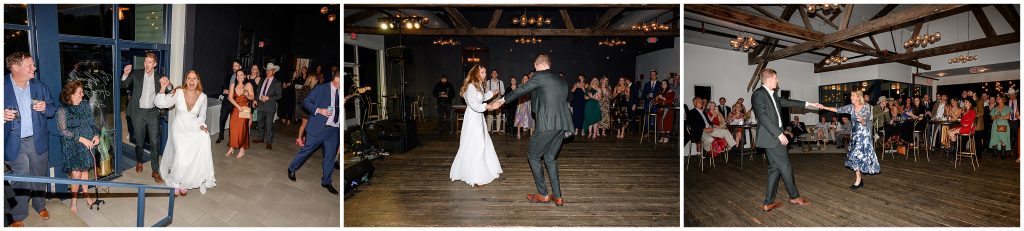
pixel 799 128
pixel 736 117
pixel 833 128
pixel 697 121
pixel 966 123
pixel 717 130
pixel 821 131
pixel 79 137
pixel 843 135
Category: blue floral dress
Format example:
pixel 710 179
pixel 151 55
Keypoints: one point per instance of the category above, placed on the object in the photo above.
pixel 861 153
pixel 73 122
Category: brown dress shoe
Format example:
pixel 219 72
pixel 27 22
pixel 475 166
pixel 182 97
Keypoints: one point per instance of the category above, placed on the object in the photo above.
pixel 157 178
pixel 18 224
pixel 558 201
pixel 44 214
pixel 537 198
pixel 799 201
pixel 269 147
pixel 138 167
pixel 771 206
pixel 257 141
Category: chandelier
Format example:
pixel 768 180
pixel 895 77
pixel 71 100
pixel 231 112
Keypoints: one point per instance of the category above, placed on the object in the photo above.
pixel 528 40
pixel 922 41
pixel 964 58
pixel 473 59
pixel 525 21
pixel 825 8
pixel 612 42
pixel 836 59
pixel 331 17
pixel 743 43
pixel 445 42
pixel 409 22
pixel 653 26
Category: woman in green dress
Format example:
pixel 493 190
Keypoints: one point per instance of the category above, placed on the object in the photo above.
pixel 592 113
pixel 1000 139
pixel 79 136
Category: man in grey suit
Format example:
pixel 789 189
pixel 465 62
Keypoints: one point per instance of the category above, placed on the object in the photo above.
pixel 553 123
pixel 767 105
pixel 144 114
pixel 266 105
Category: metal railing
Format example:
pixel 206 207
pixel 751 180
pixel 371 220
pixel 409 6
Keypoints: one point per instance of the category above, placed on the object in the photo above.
pixel 140 217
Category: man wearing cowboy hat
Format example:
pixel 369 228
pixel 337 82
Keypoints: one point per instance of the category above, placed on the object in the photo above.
pixel 266 105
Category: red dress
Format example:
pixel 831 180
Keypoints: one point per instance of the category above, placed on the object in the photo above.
pixel 239 137
pixel 668 115
pixel 967 122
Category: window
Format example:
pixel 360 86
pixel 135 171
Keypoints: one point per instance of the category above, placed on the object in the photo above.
pixel 90 64
pixel 85 20
pixel 16 14
pixel 15 40
pixel 141 22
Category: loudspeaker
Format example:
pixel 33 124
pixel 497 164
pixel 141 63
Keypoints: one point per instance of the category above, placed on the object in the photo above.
pixel 358 174
pixel 397 136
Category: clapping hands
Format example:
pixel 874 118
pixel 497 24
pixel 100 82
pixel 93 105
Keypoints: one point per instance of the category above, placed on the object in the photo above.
pixel 495 105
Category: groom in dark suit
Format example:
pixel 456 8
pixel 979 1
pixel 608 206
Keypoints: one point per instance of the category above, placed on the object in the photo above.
pixel 547 92
pixel 767 105
pixel 144 114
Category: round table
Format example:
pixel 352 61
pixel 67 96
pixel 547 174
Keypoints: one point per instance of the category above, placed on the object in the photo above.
pixel 747 128
pixel 944 123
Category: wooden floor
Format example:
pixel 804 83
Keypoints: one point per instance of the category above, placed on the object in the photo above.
pixel 905 193
pixel 605 182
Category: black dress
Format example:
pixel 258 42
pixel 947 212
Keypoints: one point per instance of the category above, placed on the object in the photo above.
pixel 579 103
pixel 287 108
pixel 620 111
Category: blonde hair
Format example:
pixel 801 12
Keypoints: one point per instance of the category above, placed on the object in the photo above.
pixel 310 80
pixel 472 78
pixel 542 59
pixel 858 96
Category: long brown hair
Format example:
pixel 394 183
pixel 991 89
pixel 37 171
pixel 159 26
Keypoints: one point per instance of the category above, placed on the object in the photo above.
pixel 473 78
pixel 184 82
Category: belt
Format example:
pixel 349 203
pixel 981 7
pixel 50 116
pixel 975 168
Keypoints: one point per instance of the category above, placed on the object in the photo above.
pixel 25 138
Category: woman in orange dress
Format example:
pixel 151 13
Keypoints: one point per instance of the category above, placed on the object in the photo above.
pixel 240 94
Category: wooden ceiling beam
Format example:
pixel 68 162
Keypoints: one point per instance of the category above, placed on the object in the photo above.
pixel 917 31
pixel 566 18
pixel 983 22
pixel 807 20
pixel 846 17
pixel 498 32
pixel 998 40
pixel 494 19
pixel 520 6
pixel 362 15
pixel 1010 14
pixel 911 15
pixel 739 17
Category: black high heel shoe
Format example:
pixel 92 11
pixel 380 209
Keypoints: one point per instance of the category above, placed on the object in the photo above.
pixel 857 186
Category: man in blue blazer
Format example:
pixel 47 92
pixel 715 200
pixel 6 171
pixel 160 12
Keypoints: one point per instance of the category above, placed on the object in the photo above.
pixel 27 107
pixel 323 129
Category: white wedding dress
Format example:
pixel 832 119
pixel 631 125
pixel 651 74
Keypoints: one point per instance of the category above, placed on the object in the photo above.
pixel 476 163
pixel 187 161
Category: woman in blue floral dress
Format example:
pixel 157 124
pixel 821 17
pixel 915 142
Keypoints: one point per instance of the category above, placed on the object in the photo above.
pixel 861 156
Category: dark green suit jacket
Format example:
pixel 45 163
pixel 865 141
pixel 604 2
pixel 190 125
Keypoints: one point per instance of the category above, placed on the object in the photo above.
pixel 547 97
pixel 768 128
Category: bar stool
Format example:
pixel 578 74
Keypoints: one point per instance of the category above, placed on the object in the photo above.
pixel 700 154
pixel 919 140
pixel 970 153
pixel 646 128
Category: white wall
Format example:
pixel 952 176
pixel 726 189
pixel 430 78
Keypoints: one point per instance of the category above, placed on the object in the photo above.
pixel 664 60
pixel 727 72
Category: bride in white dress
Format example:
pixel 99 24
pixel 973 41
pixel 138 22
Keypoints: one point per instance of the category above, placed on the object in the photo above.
pixel 476 162
pixel 187 159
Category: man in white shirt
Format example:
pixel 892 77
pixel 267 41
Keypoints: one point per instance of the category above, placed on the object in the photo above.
pixel 144 114
pixel 766 106
pixel 495 119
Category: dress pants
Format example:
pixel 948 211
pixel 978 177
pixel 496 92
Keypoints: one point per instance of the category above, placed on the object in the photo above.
pixel 32 164
pixel 779 167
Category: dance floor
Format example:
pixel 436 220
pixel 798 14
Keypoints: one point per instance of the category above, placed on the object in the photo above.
pixel 905 193
pixel 253 191
pixel 605 182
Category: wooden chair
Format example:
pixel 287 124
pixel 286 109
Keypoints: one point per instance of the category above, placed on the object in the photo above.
pixel 920 141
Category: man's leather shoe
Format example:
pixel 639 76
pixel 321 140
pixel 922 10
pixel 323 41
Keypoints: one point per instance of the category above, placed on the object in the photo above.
pixel 799 201
pixel 257 141
pixel 157 178
pixel 44 214
pixel 769 207
pixel 537 198
pixel 18 224
pixel 291 175
pixel 219 139
pixel 138 167
pixel 330 188
pixel 269 147
pixel 558 201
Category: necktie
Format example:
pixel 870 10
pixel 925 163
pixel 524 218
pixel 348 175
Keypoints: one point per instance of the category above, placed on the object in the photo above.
pixel 266 84
pixel 334 98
